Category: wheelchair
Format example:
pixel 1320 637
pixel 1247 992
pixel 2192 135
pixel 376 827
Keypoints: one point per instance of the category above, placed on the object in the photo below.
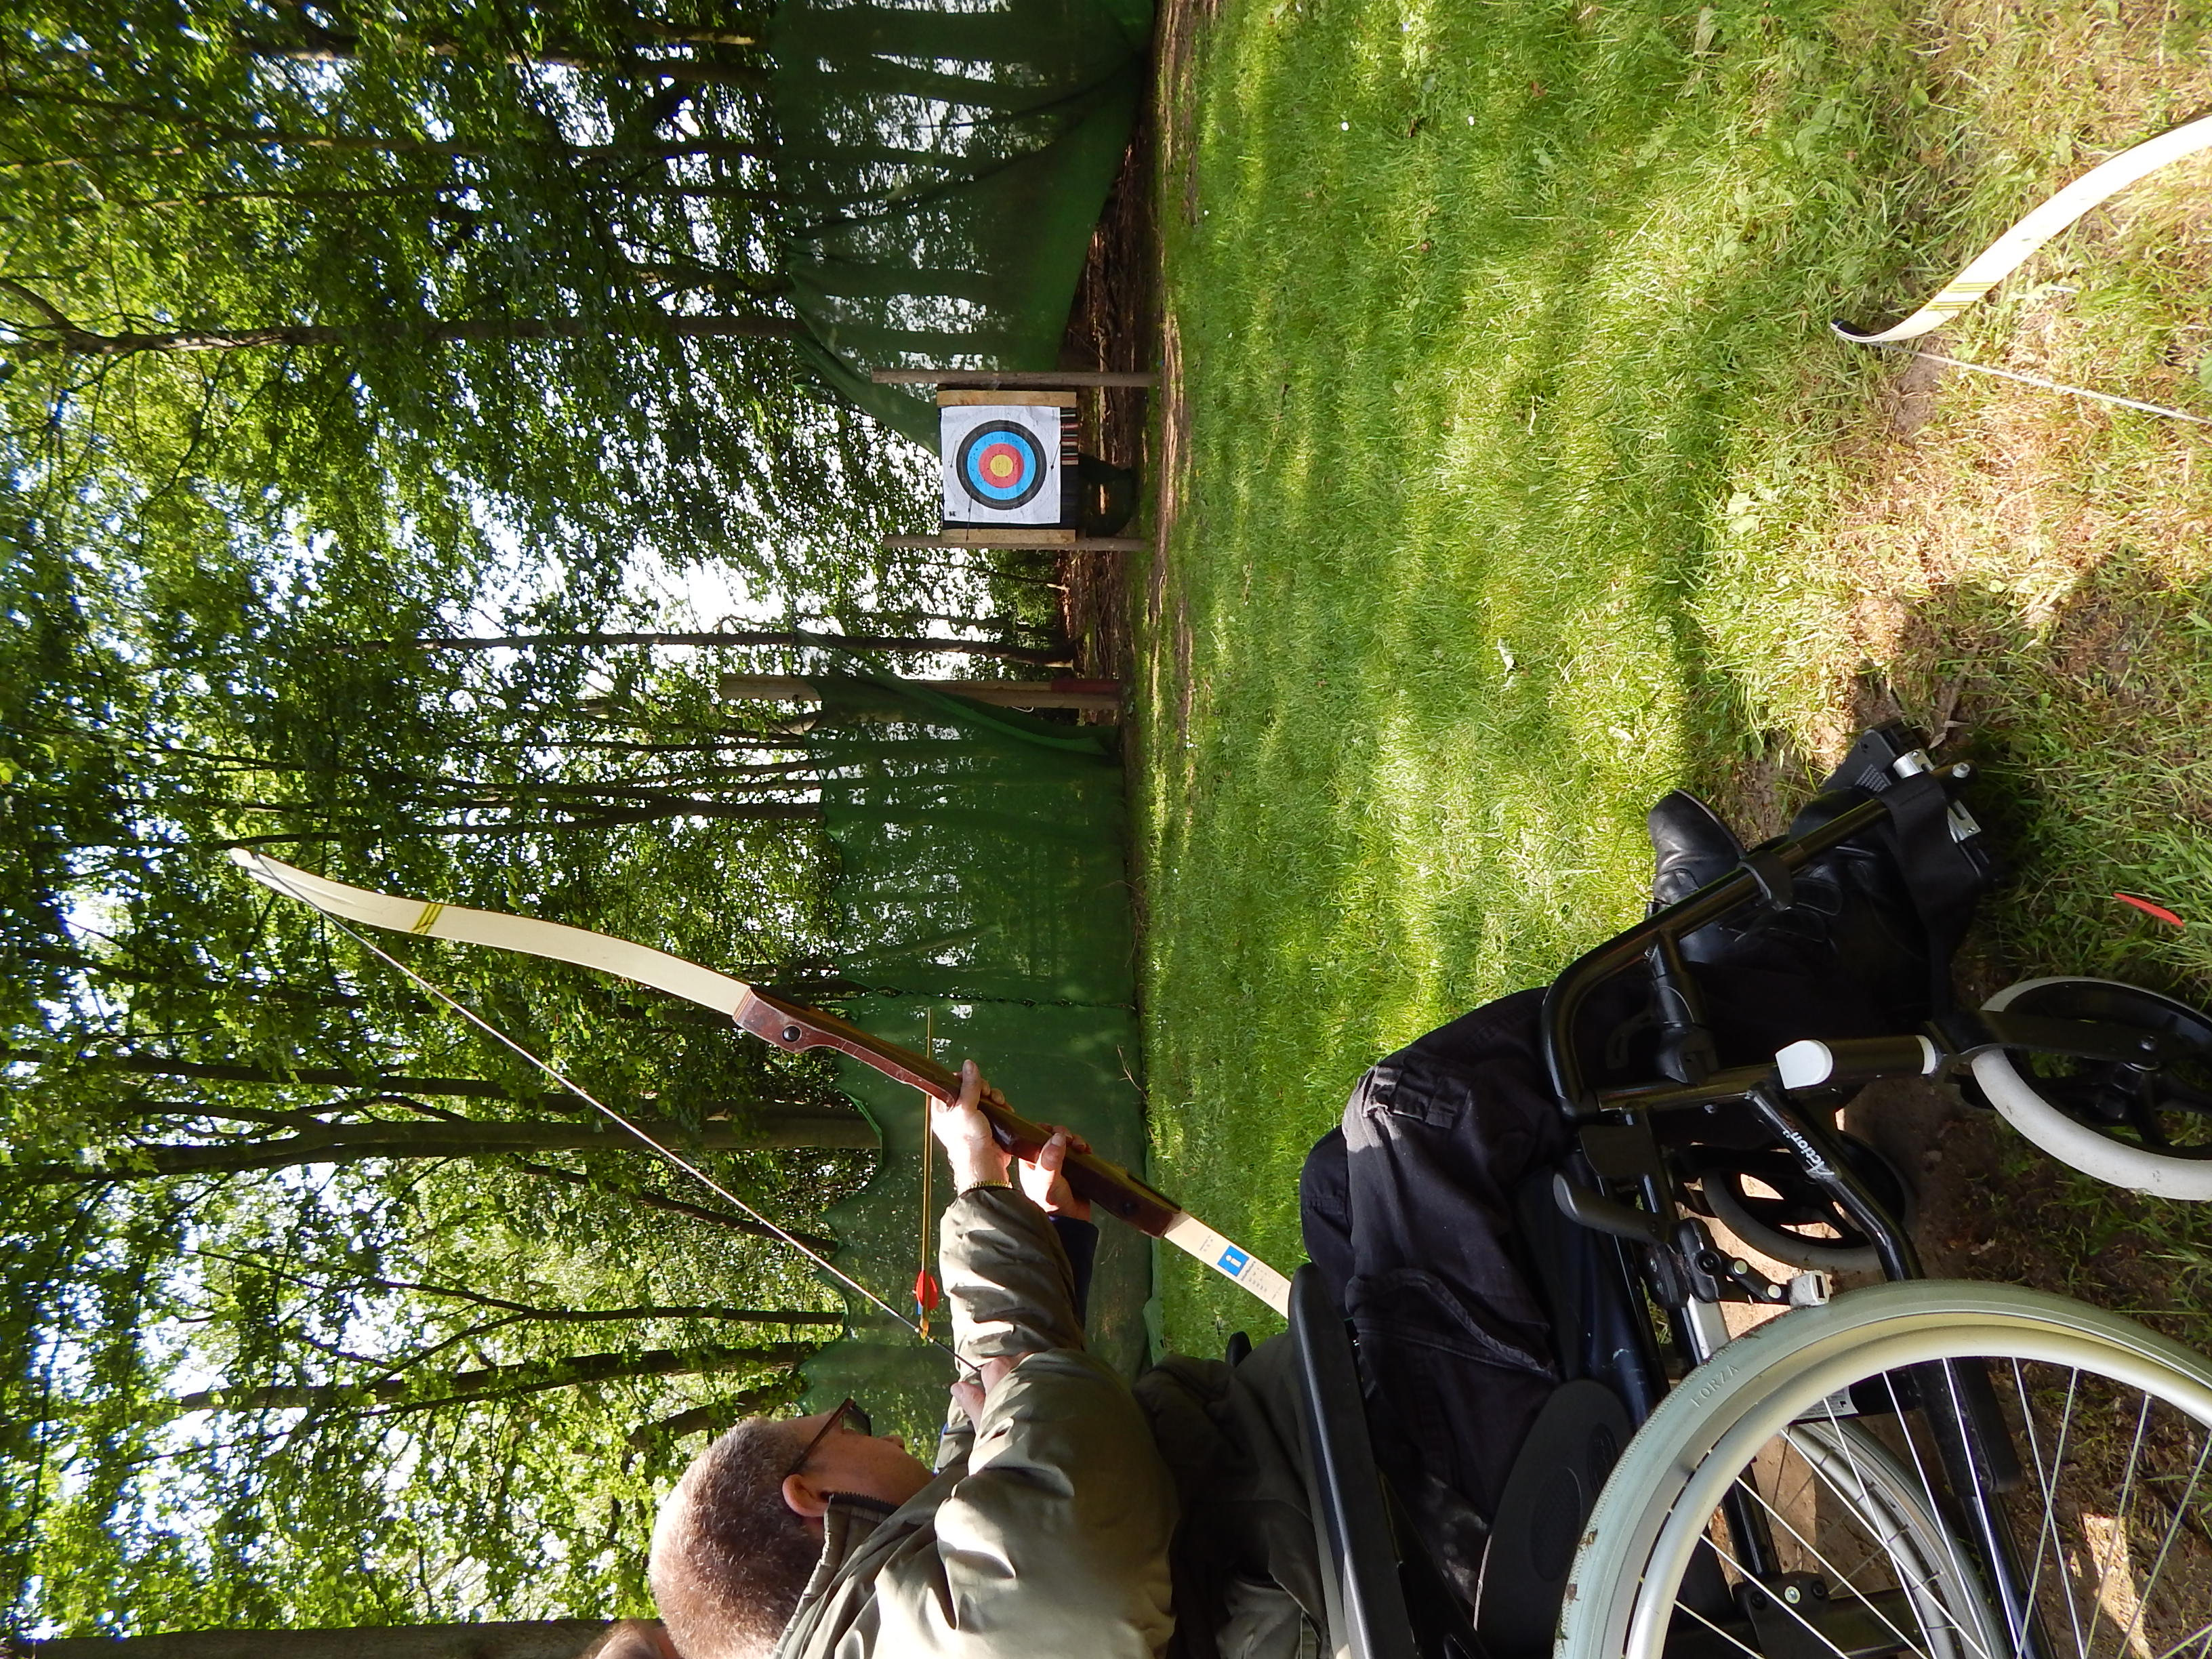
pixel 1950 1470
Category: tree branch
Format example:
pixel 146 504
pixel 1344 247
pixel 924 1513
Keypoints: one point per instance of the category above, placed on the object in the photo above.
pixel 789 637
pixel 492 1382
pixel 736 1223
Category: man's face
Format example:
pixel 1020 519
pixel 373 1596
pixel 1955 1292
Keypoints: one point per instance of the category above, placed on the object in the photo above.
pixel 845 1460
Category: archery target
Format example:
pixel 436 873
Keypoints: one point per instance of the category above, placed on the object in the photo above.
pixel 1003 463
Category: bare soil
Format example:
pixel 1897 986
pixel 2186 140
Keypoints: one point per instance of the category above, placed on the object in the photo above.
pixel 1114 324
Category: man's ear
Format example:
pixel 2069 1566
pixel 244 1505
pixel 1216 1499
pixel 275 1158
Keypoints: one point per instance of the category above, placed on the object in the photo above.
pixel 803 1500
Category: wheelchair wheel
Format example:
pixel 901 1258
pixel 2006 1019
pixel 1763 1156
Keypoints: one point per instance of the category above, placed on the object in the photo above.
pixel 2150 1131
pixel 1769 1220
pixel 2113 1428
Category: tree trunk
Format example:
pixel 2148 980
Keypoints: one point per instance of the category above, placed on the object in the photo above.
pixel 356 1143
pixel 84 342
pixel 492 1382
pixel 544 1638
pixel 278 138
pixel 1043 658
pixel 308 1076
pixel 323 47
pixel 651 1200
pixel 612 818
pixel 398 1083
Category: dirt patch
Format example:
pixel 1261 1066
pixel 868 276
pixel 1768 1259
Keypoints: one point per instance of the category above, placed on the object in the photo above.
pixel 1182 26
pixel 1113 325
pixel 1174 634
pixel 1907 403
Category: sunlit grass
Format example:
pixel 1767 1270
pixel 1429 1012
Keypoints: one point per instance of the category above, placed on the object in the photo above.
pixel 1517 479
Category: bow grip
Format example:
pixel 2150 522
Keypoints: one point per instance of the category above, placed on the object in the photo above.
pixel 795 1028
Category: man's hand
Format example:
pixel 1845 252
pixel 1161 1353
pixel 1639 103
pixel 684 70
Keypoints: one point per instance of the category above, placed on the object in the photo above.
pixel 970 1396
pixel 965 1134
pixel 1044 1184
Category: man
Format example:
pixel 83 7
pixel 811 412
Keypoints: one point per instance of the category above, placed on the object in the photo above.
pixel 1060 1516
pixel 1043 1530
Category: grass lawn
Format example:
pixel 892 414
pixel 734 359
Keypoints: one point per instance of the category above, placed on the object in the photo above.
pixel 1511 477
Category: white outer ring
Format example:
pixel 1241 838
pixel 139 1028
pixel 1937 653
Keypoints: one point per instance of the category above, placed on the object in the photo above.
pixel 2110 1161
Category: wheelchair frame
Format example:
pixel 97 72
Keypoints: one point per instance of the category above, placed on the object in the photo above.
pixel 1388 1600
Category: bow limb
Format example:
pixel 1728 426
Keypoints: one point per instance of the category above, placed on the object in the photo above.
pixel 2011 250
pixel 531 937
pixel 790 1026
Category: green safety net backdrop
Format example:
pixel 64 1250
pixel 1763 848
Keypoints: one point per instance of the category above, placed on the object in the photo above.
pixel 984 898
pixel 940 169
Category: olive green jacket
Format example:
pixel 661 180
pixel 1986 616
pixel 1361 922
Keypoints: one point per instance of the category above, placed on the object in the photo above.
pixel 1045 1532
pixel 1247 1560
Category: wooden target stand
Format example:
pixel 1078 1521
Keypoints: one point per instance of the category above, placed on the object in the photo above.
pixel 1009 466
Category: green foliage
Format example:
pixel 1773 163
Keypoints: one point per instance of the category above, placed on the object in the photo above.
pixel 157 716
pixel 324 332
pixel 574 192
pixel 380 1502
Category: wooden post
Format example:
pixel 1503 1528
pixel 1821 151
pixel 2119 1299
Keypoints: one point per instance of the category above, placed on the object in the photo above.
pixel 1092 696
pixel 1046 540
pixel 1017 377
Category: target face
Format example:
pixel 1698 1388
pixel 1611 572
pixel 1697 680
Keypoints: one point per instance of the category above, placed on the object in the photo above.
pixel 1002 464
pixel 1006 464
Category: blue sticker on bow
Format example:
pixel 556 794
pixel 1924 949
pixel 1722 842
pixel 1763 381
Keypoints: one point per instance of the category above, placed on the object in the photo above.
pixel 1234 1262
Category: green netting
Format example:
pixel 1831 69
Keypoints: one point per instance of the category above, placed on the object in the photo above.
pixel 983 892
pixel 940 171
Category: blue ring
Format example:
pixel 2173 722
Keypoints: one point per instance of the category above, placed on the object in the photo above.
pixel 1025 487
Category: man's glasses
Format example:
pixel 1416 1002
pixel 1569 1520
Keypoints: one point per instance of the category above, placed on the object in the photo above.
pixel 850 1410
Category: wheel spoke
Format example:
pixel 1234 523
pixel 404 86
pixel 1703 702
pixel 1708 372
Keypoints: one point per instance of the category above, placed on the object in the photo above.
pixel 1811 1629
pixel 2166 1545
pixel 1728 1636
pixel 1820 1556
pixel 2104 1570
pixel 1912 1445
pixel 1930 1571
pixel 2048 1528
pixel 2201 1635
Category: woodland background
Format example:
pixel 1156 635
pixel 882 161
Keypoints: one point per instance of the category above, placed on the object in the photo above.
pixel 359 377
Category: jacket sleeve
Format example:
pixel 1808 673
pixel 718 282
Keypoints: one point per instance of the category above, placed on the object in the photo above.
pixel 1006 1278
pixel 1055 1542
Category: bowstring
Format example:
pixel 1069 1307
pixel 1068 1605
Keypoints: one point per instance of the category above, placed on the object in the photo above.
pixel 583 1094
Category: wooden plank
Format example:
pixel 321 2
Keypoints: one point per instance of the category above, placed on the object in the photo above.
pixel 1096 696
pixel 1010 377
pixel 958 399
pixel 1050 540
pixel 1026 535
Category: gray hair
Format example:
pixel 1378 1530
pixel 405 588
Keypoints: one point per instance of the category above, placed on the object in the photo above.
pixel 730 1558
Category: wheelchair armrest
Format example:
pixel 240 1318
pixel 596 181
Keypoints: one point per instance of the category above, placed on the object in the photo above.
pixel 1360 1560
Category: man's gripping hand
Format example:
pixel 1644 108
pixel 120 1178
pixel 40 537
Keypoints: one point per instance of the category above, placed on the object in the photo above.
pixel 1043 1184
pixel 978 1160
pixel 965 1134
